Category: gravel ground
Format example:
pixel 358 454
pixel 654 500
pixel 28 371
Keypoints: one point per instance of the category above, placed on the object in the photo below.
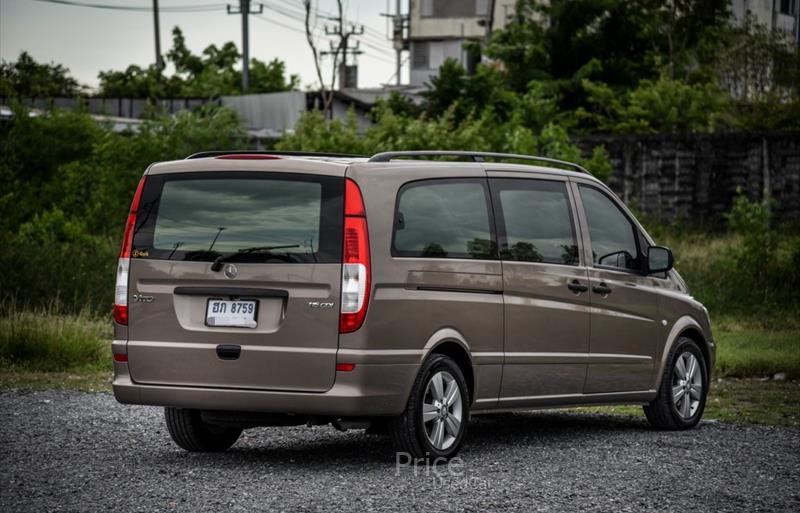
pixel 72 451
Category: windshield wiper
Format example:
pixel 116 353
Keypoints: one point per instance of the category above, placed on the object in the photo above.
pixel 217 265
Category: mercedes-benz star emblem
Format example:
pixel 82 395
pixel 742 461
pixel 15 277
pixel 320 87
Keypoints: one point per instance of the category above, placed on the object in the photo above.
pixel 231 271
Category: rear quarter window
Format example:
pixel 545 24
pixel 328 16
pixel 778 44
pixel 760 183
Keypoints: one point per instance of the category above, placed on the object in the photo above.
pixel 444 219
pixel 199 216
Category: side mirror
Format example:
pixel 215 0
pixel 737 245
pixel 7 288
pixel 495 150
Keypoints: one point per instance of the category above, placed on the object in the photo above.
pixel 659 259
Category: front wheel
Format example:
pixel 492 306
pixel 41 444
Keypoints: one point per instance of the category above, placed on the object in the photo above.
pixel 683 390
pixel 189 431
pixel 434 423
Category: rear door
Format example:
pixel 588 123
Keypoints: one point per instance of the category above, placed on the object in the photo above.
pixel 268 317
pixel 546 312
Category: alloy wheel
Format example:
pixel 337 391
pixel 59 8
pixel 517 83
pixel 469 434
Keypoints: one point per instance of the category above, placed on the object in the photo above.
pixel 687 385
pixel 442 410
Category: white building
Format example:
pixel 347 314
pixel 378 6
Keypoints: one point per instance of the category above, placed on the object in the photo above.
pixel 438 29
pixel 783 15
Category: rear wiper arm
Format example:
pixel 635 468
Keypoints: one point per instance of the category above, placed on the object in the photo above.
pixel 217 265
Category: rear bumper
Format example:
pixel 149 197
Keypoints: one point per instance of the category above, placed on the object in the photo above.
pixel 369 390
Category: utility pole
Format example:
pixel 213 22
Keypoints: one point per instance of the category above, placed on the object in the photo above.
pixel 157 26
pixel 490 21
pixel 345 78
pixel 398 38
pixel 245 11
pixel 399 23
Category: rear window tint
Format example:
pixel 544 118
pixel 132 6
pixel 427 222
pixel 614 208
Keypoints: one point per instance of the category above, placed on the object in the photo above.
pixel 444 219
pixel 261 217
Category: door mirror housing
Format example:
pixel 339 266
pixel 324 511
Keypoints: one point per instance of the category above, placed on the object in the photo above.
pixel 659 259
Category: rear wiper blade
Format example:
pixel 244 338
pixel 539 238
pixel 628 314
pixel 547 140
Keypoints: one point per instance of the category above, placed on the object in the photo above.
pixel 217 265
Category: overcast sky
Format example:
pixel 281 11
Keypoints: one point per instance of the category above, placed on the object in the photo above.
pixel 88 40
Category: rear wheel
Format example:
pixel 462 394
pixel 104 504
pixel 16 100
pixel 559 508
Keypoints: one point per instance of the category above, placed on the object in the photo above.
pixel 682 394
pixel 434 422
pixel 190 432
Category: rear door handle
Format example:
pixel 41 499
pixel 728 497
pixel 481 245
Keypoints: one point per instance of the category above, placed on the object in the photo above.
pixel 602 289
pixel 577 287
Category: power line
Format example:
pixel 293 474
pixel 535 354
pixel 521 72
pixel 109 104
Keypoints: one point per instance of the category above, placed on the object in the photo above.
pixel 379 35
pixel 381 58
pixel 278 23
pixel 182 8
pixel 298 17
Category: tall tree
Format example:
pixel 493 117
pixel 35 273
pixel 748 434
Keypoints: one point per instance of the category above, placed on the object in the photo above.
pixel 211 74
pixel 27 78
pixel 336 50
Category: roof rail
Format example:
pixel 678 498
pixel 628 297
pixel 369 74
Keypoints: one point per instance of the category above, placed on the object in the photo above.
pixel 477 156
pixel 205 154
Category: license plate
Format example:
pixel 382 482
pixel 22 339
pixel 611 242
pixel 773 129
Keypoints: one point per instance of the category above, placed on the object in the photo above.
pixel 240 314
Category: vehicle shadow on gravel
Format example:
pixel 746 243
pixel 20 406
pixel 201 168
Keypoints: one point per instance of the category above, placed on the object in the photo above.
pixel 319 446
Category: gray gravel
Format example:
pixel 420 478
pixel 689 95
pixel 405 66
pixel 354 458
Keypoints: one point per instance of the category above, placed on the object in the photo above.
pixel 70 451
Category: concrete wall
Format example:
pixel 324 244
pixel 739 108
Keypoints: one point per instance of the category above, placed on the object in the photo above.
pixel 695 177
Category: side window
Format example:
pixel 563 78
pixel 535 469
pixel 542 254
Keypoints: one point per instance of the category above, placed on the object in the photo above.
pixel 444 219
pixel 611 232
pixel 534 221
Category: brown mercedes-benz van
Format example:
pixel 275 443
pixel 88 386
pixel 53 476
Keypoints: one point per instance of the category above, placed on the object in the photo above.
pixel 407 294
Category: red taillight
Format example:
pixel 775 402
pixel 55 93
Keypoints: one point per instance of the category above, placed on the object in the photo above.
pixel 345 367
pixel 353 203
pixel 123 266
pixel 248 156
pixel 121 357
pixel 121 314
pixel 355 261
pixel 127 237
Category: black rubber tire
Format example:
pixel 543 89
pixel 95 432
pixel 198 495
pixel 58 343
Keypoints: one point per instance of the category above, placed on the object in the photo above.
pixel 408 432
pixel 661 412
pixel 189 432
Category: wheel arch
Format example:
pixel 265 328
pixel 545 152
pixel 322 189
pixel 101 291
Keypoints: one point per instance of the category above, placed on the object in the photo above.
pixel 688 327
pixel 695 334
pixel 451 343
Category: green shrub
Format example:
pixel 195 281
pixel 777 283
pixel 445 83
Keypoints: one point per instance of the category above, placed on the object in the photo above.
pixel 394 131
pixel 756 257
pixel 750 272
pixel 67 185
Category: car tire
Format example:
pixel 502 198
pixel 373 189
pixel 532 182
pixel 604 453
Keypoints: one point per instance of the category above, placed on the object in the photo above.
pixel 680 403
pixel 433 425
pixel 188 431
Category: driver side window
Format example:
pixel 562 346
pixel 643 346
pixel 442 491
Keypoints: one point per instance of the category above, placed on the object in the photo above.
pixel 611 232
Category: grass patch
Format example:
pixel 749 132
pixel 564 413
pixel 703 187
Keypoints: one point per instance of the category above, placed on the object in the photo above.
pixel 47 342
pixel 746 401
pixel 755 353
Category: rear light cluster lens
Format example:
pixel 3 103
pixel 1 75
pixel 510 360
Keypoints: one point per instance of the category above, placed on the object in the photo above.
pixel 355 261
pixel 124 264
pixel 121 292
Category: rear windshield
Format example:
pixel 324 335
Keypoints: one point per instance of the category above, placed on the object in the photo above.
pixel 258 217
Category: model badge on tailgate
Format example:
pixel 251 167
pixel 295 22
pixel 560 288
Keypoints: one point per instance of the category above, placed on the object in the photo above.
pixel 320 304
